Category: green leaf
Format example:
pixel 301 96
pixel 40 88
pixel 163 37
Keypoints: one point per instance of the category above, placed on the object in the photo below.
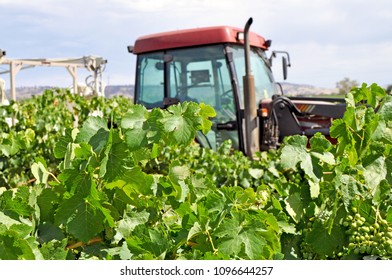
pixel 47 201
pixel 8 221
pixel 374 173
pixel 26 138
pixel 61 146
pixel 383 131
pixel 206 112
pixel 158 245
pixel 81 218
pixel 136 128
pixel 195 230
pixel 339 130
pixel 181 122
pixel 256 173
pixel 77 181
pixel 55 250
pixel 319 143
pixel 82 151
pixel 136 139
pixel 123 252
pixel 69 156
pixel 131 219
pixel 382 192
pixel 40 173
pixel 138 181
pixel 178 173
pixel 9 145
pixel 95 132
pixel 49 232
pixel 134 118
pixel 236 235
pixel 15 203
pixel 294 153
pixel 323 243
pixel 13 247
pixel 295 206
pixel 349 188
pixel 374 94
pixel 115 154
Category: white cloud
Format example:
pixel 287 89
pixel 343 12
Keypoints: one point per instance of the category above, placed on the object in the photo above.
pixel 326 64
pixel 159 6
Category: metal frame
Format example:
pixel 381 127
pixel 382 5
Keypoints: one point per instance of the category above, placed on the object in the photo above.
pixel 91 63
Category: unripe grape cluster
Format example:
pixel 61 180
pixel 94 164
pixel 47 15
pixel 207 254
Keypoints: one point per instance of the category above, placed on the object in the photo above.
pixel 367 238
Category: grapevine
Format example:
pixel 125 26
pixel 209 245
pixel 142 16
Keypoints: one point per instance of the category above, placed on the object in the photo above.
pixel 133 184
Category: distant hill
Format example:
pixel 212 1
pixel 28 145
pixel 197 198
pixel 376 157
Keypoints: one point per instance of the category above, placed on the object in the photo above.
pixel 128 90
pixel 124 90
pixel 306 90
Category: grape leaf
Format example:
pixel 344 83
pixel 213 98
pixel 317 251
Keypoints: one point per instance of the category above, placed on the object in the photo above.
pixel 9 145
pixel 349 188
pixel 236 235
pixel 81 218
pixel 46 202
pixel 7 221
pixel 294 153
pixel 77 181
pixel 40 173
pixel 10 248
pixel 15 204
pixel 114 160
pixel 95 132
pixel 138 181
pixel 323 243
pixel 60 148
pixel 181 121
pixel 295 206
pixel 55 250
pixel 194 231
pixel 134 118
pixel 48 232
pixel 374 173
pixel 206 112
pixel 158 245
pixel 130 220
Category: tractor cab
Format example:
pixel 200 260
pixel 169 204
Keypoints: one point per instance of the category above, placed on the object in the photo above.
pixel 203 65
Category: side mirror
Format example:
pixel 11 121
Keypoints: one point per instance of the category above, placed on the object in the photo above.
pixel 284 65
pixel 285 61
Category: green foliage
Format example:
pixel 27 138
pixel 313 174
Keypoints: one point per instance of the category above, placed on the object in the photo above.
pixel 353 179
pixel 39 124
pixel 105 201
pixel 140 188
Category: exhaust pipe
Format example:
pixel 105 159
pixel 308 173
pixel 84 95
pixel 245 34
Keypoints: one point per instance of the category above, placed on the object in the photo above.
pixel 251 119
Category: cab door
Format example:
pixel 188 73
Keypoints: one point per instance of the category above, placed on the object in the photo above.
pixel 201 74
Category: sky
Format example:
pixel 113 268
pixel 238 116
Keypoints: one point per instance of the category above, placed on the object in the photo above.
pixel 328 40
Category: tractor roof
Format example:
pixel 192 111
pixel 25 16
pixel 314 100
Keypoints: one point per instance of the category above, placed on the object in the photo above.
pixel 195 37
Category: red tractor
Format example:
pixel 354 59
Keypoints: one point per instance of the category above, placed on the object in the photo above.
pixel 227 68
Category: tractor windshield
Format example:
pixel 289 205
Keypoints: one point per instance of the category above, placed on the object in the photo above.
pixel 264 82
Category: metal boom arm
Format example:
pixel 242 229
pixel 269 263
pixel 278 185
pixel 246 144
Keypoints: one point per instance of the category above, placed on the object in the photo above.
pixel 91 63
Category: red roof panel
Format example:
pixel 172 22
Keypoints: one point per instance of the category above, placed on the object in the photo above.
pixel 194 37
